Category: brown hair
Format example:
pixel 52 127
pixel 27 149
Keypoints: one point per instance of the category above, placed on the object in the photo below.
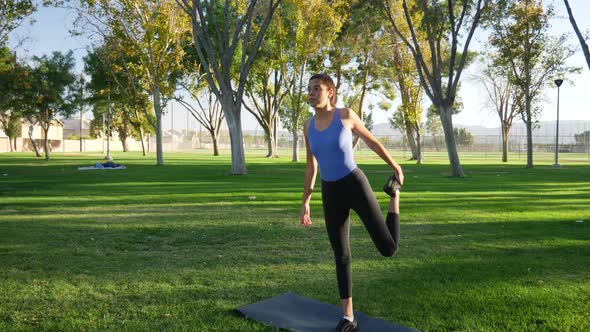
pixel 327 80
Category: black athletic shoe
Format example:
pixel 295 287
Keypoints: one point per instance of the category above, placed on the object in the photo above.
pixel 346 326
pixel 392 186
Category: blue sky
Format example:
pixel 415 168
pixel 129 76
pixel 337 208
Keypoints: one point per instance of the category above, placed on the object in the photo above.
pixel 50 33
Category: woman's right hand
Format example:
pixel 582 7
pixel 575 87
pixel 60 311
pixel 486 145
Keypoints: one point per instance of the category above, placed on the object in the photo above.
pixel 400 176
pixel 304 216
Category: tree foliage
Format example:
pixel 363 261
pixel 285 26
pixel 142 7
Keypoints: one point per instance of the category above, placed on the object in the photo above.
pixel 12 15
pixel 463 137
pixel 448 27
pixel 583 139
pixel 520 34
pixel 145 42
pixel 131 110
pixel 51 92
pixel 13 84
pixel 308 30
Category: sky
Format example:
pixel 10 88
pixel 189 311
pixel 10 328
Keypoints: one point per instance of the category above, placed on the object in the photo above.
pixel 50 32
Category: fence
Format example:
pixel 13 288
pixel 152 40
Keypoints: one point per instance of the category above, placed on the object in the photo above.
pixel 484 145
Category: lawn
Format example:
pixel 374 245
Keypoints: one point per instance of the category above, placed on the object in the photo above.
pixel 178 247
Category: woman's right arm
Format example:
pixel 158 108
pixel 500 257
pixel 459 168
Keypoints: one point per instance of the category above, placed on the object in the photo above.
pixel 310 174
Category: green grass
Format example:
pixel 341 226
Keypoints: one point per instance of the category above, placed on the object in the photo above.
pixel 179 247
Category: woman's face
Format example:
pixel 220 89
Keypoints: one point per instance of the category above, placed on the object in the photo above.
pixel 319 94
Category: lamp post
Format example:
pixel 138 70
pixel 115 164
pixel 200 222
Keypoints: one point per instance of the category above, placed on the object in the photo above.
pixel 108 157
pixel 557 82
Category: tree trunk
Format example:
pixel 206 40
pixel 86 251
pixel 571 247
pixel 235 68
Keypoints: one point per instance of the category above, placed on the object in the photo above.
pixel 215 146
pixel 446 117
pixel 356 138
pixel 275 138
pixel 81 143
pixel 505 131
pixel 419 157
pixel 233 119
pixel 269 146
pixel 124 137
pixel 158 110
pixel 295 146
pixel 124 144
pixel 529 130
pixel 270 141
pixel 33 143
pixel 141 140
pixel 411 140
pixel 579 34
pixel 46 141
pixel 435 141
pixel 214 138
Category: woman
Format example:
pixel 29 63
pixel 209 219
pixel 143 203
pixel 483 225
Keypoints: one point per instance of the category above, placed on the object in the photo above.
pixel 328 141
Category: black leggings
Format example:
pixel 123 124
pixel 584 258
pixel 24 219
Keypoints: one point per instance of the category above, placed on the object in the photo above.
pixel 354 192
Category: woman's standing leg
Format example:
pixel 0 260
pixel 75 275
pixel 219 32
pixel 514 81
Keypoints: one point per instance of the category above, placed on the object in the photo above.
pixel 337 213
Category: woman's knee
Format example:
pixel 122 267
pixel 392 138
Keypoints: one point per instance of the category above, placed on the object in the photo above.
pixel 388 251
pixel 342 260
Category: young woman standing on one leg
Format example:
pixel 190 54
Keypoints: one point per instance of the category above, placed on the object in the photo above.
pixel 328 141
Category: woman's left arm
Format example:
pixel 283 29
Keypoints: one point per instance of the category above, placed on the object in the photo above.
pixel 358 127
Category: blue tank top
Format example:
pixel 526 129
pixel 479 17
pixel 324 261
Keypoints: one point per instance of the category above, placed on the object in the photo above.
pixel 332 147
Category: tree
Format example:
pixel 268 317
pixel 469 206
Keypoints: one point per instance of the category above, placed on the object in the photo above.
pixel 194 84
pixel 506 99
pixel 78 92
pixel 51 91
pixel 412 111
pixel 13 83
pixel 269 83
pixel 581 38
pixel 293 115
pixel 131 109
pixel 11 125
pixel 17 99
pixel 210 116
pixel 224 38
pixel 266 91
pixel 397 121
pixel 12 15
pixel 362 38
pixel 368 120
pixel 583 139
pixel 309 29
pixel 410 89
pixel 433 125
pixel 463 137
pixel 407 82
pixel 520 35
pixel 148 35
pixel 442 23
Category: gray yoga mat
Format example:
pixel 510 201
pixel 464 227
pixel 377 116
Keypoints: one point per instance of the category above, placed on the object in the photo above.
pixel 297 313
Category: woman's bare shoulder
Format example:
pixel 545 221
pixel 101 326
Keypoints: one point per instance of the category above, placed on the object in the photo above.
pixel 345 113
pixel 348 114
